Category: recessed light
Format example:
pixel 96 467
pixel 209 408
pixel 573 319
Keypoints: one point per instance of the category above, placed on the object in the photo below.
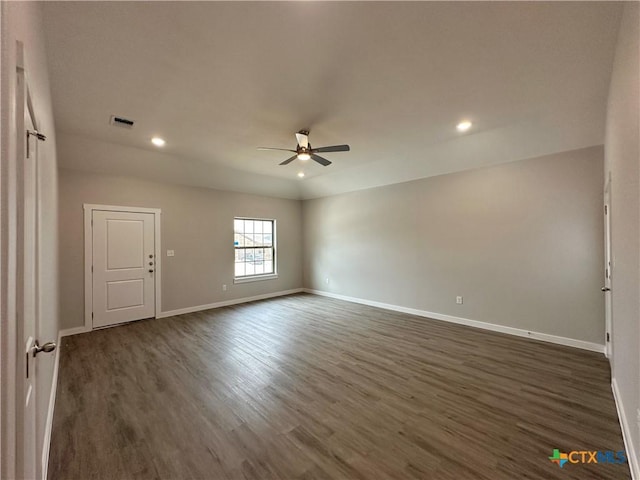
pixel 304 156
pixel 464 126
pixel 301 174
pixel 158 142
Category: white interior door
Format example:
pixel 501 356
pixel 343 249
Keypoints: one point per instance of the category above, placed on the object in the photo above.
pixel 123 267
pixel 27 290
pixel 608 273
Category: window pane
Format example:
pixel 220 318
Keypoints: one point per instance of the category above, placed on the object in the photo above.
pixel 239 255
pixel 259 268
pixel 239 269
pixel 257 227
pixel 268 254
pixel 248 226
pixel 238 226
pixel 267 239
pixel 266 228
pixel 238 240
pixel 249 268
pixel 268 266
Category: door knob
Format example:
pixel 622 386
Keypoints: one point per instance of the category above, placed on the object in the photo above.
pixel 605 289
pixel 150 271
pixel 47 348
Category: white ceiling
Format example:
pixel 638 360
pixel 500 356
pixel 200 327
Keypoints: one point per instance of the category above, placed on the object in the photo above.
pixel 217 80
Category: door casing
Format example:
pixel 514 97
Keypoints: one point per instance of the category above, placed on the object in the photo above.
pixel 608 273
pixel 88 257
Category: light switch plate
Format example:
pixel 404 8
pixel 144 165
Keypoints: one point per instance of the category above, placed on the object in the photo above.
pixel 171 253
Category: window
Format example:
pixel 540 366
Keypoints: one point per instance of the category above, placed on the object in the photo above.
pixel 254 243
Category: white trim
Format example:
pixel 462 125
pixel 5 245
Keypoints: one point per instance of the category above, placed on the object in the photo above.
pixel 226 303
pixel 118 208
pixel 67 332
pixel 625 426
pixel 255 278
pixel 88 256
pixel 48 426
pixel 89 208
pixel 545 337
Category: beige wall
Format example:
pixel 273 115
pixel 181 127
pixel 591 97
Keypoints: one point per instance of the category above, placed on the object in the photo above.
pixel 23 22
pixel 521 242
pixel 196 222
pixel 622 155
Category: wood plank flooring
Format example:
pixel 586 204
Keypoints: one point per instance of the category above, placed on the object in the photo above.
pixel 306 387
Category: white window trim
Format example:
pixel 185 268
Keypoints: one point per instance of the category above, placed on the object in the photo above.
pixel 263 276
pixel 255 278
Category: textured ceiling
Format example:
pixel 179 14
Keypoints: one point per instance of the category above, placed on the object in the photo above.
pixel 217 80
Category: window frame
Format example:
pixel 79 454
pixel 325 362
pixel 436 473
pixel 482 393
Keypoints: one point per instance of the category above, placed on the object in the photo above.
pixel 260 276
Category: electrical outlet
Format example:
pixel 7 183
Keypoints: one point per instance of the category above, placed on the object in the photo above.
pixel 459 300
pixel 171 253
pixel 326 280
pixel 224 288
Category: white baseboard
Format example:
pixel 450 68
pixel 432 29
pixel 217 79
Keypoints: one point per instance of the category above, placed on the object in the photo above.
pixel 625 426
pixel 227 303
pixel 545 337
pixel 48 427
pixel 74 331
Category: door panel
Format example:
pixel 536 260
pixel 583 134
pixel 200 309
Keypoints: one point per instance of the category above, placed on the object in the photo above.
pixel 123 267
pixel 125 244
pixel 125 294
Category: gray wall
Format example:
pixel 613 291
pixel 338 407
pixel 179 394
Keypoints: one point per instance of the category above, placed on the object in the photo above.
pixel 23 22
pixel 522 242
pixel 622 155
pixel 196 222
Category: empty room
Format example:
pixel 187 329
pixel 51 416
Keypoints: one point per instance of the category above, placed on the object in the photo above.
pixel 320 240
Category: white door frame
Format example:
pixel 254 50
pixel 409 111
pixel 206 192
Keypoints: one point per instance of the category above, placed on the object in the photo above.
pixel 88 256
pixel 608 273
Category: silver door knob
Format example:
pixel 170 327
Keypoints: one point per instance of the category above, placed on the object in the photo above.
pixel 605 289
pixel 46 348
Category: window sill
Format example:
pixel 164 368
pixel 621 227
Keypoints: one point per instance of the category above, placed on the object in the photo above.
pixel 256 278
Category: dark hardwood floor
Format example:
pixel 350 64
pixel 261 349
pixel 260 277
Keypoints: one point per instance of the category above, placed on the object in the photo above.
pixel 306 387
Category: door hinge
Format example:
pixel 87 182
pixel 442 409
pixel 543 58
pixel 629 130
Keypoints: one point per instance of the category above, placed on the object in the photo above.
pixel 91 268
pixel 91 315
pixel 605 209
pixel 608 339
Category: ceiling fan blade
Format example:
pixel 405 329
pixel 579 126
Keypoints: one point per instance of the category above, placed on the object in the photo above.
pixel 334 148
pixel 320 160
pixel 303 139
pixel 289 160
pixel 279 149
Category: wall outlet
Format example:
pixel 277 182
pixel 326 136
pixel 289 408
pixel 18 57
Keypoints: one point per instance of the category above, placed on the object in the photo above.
pixel 224 288
pixel 459 300
pixel 326 280
pixel 171 253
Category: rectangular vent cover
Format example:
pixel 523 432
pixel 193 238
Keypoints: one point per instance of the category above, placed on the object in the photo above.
pixel 121 122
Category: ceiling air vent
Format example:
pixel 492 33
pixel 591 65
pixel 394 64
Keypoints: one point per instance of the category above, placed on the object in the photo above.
pixel 121 122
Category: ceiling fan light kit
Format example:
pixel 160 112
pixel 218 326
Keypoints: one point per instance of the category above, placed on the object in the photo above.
pixel 305 152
